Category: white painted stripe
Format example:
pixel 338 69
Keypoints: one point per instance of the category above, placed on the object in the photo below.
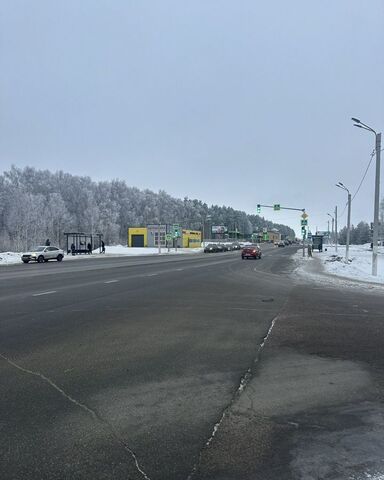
pixel 111 281
pixel 43 293
pixel 151 275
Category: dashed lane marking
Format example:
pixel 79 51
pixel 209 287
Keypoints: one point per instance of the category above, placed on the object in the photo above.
pixel 111 281
pixel 43 293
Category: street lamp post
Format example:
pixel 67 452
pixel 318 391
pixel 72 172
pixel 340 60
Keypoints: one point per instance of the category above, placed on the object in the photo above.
pixel 375 239
pixel 340 185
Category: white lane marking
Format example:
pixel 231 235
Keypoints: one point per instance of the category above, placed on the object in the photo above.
pixel 111 281
pixel 179 269
pixel 43 293
pixel 151 275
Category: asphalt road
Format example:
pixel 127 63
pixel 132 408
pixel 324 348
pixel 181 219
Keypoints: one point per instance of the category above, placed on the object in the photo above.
pixel 200 367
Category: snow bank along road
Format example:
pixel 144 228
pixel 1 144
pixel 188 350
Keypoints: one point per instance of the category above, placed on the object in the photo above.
pixel 173 368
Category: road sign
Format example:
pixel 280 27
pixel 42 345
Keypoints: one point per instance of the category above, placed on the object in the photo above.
pixel 168 237
pixel 304 216
pixel 304 222
pixel 276 206
pixel 265 236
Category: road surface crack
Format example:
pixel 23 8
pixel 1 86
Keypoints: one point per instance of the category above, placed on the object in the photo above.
pixel 244 381
pixel 105 424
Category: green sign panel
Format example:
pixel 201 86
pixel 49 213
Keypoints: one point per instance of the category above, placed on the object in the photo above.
pixel 265 236
pixel 304 222
pixel 168 237
pixel 276 206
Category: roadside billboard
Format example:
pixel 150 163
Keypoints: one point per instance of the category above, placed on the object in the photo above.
pixel 219 229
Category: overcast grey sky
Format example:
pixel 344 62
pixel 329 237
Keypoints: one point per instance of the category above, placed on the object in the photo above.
pixel 231 102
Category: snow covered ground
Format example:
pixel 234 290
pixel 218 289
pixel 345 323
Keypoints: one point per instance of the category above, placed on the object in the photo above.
pixel 9 258
pixel 358 268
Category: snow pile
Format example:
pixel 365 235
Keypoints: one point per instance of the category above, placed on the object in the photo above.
pixel 9 258
pixel 358 268
pixel 124 250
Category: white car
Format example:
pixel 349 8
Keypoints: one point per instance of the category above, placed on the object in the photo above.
pixel 43 254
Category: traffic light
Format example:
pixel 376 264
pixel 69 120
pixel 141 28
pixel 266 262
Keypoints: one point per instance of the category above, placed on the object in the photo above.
pixel 258 208
pixel 176 231
pixel 303 230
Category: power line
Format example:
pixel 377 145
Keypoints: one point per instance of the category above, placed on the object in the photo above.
pixel 362 180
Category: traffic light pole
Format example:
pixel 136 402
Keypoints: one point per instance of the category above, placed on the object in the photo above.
pixel 285 208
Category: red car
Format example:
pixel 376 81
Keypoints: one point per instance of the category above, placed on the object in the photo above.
pixel 251 251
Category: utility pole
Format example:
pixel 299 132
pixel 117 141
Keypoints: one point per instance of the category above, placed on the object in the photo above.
pixel 336 236
pixel 348 228
pixel 158 237
pixel 328 231
pixel 333 229
pixel 342 186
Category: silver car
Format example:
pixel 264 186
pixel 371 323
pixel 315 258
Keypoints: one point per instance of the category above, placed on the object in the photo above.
pixel 43 254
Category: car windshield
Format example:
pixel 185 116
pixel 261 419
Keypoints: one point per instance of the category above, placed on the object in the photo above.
pixel 37 249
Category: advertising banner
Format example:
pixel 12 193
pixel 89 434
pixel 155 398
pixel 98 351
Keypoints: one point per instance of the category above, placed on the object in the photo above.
pixel 219 229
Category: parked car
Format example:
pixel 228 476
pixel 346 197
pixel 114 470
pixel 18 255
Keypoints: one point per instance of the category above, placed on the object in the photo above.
pixel 226 247
pixel 43 254
pixel 251 251
pixel 220 247
pixel 236 246
pixel 281 243
pixel 211 248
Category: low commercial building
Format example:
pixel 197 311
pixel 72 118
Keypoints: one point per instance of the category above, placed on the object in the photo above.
pixel 274 236
pixel 138 237
pixel 269 236
pixel 191 238
pixel 153 235
pixel 148 237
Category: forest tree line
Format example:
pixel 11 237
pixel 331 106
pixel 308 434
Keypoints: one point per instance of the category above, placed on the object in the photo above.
pixel 38 204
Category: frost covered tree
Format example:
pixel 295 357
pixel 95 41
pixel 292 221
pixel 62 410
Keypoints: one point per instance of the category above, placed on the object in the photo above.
pixel 38 204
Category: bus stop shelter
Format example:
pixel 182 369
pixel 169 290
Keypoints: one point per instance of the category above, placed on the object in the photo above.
pixel 80 242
